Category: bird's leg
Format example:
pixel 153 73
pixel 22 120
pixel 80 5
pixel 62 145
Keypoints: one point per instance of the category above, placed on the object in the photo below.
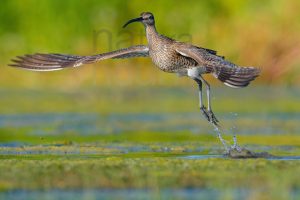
pixel 202 107
pixel 211 115
pixel 208 116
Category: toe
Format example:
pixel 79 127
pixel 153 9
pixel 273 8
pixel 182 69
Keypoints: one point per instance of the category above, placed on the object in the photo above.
pixel 209 115
pixel 205 113
pixel 213 118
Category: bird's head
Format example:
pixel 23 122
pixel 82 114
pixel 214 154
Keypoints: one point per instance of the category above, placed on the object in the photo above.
pixel 146 18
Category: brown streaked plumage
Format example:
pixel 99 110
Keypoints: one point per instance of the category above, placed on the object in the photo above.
pixel 167 54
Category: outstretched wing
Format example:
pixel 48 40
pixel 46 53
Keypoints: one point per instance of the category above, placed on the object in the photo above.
pixel 51 62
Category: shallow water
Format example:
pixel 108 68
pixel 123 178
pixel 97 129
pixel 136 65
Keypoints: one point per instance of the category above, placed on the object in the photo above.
pixel 201 157
pixel 141 194
pixel 91 123
pixel 286 158
pixel 162 124
pixel 126 194
pixel 263 110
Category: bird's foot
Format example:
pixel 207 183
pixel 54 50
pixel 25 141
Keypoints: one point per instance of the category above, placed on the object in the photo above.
pixel 209 115
pixel 205 112
pixel 212 118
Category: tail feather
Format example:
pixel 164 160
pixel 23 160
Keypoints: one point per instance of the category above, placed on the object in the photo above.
pixel 236 77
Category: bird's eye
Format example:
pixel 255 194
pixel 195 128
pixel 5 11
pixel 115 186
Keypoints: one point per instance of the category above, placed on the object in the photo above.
pixel 150 17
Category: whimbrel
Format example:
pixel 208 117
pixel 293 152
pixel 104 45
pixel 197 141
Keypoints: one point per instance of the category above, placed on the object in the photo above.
pixel 167 54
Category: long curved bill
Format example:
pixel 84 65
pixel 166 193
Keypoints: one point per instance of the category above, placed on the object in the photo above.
pixel 133 20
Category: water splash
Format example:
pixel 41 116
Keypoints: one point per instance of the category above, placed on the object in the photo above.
pixel 224 142
pixel 235 144
pixel 235 151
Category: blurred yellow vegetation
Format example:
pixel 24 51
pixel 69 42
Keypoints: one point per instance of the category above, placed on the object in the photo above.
pixel 249 33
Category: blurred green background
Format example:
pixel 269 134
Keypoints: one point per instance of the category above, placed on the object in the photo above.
pixel 249 33
pixel 124 123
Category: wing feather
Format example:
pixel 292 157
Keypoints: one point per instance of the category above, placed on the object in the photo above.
pixel 227 72
pixel 54 61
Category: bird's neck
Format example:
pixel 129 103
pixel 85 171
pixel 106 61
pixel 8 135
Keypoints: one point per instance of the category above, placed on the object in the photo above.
pixel 151 34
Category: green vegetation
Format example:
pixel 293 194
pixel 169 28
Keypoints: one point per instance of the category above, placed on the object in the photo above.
pixel 153 173
pixel 149 99
pixel 110 140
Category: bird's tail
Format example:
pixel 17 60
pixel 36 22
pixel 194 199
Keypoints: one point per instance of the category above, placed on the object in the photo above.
pixel 235 76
